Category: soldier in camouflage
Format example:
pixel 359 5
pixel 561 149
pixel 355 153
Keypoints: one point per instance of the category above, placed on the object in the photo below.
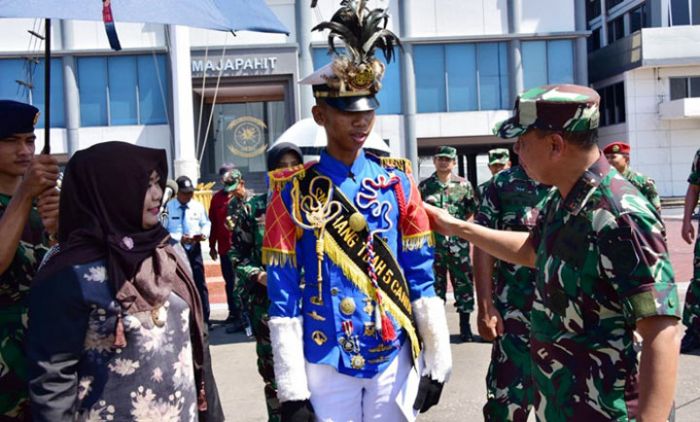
pixel 499 160
pixel 239 293
pixel 618 155
pixel 603 269
pixel 245 254
pixel 28 217
pixel 456 195
pixel 505 294
pixel 691 311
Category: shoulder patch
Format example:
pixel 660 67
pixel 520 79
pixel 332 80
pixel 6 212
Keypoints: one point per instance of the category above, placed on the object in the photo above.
pixel 279 178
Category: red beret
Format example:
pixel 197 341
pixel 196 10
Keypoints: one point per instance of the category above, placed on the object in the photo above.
pixel 618 147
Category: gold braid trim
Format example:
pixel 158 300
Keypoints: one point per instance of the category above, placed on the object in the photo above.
pixel 417 241
pixel 402 164
pixel 278 257
pixel 279 178
pixel 361 280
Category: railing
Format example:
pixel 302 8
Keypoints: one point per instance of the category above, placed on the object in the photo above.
pixel 203 193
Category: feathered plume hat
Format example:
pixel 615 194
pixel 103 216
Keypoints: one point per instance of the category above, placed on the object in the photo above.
pixel 353 77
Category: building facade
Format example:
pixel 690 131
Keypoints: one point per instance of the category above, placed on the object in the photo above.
pixel 644 59
pixel 209 97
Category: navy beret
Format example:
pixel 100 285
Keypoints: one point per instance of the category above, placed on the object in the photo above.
pixel 16 117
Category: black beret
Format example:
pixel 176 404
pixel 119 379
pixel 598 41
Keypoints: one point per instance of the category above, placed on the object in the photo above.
pixel 16 117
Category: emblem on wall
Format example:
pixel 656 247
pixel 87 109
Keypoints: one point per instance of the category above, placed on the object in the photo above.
pixel 247 138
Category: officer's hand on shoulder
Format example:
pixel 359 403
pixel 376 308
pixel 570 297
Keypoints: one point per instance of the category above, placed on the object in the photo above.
pixel 297 411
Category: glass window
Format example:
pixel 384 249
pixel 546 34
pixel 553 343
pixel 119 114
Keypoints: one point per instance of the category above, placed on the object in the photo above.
pixel 638 18
pixel 58 115
pixel 489 77
pixel 122 90
pixel 152 89
pixel 619 102
pixel 680 13
pixel 92 85
pixel 560 62
pixel 430 78
pixel 534 57
pixel 592 9
pixel 11 71
pixel 390 95
pixel 679 88
pixel 594 40
pixel 31 88
pixel 503 75
pixel 462 77
pixel 695 4
pixel 612 104
pixel 695 87
pixel 616 29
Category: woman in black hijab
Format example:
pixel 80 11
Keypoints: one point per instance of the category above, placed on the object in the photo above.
pixel 115 322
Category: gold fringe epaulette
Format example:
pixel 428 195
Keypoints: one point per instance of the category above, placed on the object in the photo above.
pixel 279 178
pixel 278 258
pixel 417 241
pixel 391 163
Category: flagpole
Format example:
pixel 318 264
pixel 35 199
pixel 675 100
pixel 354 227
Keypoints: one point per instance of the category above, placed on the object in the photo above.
pixel 47 87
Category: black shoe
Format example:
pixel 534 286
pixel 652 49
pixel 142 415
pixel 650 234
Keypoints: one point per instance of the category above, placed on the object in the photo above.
pixel 690 342
pixel 230 319
pixel 235 327
pixel 465 330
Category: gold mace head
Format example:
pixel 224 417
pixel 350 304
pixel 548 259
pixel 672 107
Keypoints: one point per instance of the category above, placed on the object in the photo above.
pixel 357 222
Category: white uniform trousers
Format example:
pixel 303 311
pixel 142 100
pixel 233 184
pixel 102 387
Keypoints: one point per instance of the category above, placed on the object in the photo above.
pixel 342 398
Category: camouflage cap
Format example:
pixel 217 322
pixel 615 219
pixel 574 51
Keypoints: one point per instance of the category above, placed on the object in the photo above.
pixel 499 156
pixel 232 179
pixel 445 151
pixel 568 108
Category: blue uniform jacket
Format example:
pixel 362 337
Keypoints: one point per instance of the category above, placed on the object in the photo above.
pixel 324 333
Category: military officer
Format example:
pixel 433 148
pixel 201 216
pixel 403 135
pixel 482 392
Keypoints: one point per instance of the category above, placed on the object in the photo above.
pixel 691 311
pixel 618 155
pixel 246 256
pixel 499 159
pixel 603 269
pixel 28 218
pixel 355 223
pixel 505 294
pixel 455 194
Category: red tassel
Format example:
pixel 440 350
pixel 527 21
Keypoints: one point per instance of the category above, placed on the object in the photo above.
pixel 388 332
pixel 202 400
pixel 119 337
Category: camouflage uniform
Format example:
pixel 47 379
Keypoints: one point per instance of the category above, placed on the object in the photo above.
pixel 239 292
pixel 645 185
pixel 245 254
pixel 509 204
pixel 14 290
pixel 602 265
pixel 452 253
pixel 691 311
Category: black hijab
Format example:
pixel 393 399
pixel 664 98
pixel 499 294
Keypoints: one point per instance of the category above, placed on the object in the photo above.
pixel 275 153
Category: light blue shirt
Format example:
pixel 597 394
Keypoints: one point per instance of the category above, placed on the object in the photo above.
pixel 195 220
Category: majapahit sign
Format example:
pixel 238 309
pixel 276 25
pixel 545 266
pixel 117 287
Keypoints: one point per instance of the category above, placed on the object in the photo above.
pixel 244 62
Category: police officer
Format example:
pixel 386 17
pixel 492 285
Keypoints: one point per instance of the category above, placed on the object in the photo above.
pixel 246 256
pixel 355 224
pixel 505 294
pixel 499 159
pixel 618 155
pixel 691 311
pixel 455 194
pixel 603 269
pixel 188 224
pixel 28 222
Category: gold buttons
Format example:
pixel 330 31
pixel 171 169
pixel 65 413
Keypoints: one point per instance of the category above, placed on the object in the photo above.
pixel 357 222
pixel 357 362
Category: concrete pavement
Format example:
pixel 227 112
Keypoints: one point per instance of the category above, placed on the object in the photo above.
pixel 241 388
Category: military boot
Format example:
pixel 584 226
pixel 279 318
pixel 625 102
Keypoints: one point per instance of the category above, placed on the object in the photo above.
pixel 465 330
pixel 690 342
